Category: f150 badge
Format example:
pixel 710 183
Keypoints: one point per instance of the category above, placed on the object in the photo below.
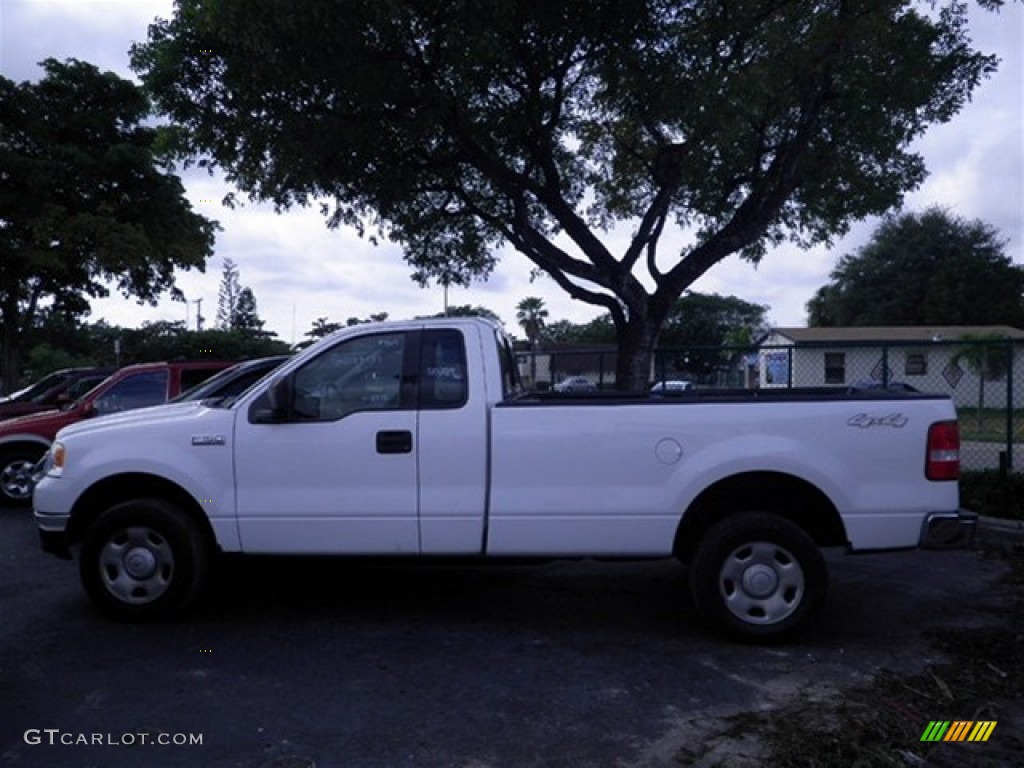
pixel 867 420
pixel 208 440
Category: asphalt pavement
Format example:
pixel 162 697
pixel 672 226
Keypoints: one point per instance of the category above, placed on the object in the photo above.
pixel 327 663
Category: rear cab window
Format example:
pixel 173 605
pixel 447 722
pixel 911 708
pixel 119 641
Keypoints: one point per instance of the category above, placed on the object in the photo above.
pixel 511 384
pixel 442 370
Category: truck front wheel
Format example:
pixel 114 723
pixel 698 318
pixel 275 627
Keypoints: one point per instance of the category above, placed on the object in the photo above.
pixel 758 577
pixel 144 559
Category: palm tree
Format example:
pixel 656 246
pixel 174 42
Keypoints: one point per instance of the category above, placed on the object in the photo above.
pixel 986 359
pixel 530 314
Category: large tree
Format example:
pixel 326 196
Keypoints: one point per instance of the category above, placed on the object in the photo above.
pixel 454 127
pixel 84 201
pixel 929 268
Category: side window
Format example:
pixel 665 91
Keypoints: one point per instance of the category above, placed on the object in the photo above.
pixel 442 370
pixel 363 374
pixel 835 367
pixel 136 391
pixel 916 364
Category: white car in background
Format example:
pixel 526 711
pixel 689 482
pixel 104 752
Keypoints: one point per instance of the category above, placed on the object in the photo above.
pixel 576 384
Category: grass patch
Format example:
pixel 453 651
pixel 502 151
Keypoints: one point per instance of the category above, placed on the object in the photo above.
pixel 993 494
pixel 990 425
pixel 881 724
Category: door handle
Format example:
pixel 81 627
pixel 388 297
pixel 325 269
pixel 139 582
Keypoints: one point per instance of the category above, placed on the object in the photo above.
pixel 397 441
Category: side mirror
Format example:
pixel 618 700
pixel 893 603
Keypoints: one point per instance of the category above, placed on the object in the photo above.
pixel 275 404
pixel 280 395
pixel 88 410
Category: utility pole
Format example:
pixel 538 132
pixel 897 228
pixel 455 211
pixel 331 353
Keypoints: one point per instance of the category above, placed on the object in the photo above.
pixel 199 314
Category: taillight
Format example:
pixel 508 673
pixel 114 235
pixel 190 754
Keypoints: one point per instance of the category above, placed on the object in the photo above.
pixel 943 461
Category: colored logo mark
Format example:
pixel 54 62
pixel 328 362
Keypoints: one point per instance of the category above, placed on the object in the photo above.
pixel 958 730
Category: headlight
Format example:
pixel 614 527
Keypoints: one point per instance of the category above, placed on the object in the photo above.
pixel 53 461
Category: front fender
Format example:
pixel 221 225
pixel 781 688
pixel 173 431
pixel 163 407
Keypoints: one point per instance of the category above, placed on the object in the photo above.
pixel 179 452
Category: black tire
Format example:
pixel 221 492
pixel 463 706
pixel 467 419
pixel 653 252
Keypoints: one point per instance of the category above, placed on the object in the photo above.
pixel 757 577
pixel 16 476
pixel 143 560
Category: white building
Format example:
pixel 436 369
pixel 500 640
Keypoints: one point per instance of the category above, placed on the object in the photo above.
pixel 930 359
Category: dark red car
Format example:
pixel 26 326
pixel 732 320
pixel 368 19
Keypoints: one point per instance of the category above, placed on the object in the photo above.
pixel 53 391
pixel 24 440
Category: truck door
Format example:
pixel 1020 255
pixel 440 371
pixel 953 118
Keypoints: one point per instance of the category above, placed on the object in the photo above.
pixel 452 449
pixel 334 469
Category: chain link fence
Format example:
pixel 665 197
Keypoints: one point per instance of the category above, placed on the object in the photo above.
pixel 984 378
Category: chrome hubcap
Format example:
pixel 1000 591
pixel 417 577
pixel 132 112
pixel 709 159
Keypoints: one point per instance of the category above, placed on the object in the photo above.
pixel 16 479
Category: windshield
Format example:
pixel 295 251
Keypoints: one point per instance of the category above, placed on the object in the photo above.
pixel 227 385
pixel 86 395
pixel 38 389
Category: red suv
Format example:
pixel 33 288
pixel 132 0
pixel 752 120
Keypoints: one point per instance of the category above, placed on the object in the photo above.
pixel 25 439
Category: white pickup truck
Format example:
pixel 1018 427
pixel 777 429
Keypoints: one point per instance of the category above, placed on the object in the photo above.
pixel 415 439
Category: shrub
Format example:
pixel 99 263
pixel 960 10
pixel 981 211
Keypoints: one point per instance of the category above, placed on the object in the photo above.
pixel 993 493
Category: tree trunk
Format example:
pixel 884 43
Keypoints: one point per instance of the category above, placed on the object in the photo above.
pixel 636 342
pixel 11 352
pixel 981 399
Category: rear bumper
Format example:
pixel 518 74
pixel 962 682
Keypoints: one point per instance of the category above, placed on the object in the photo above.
pixel 948 530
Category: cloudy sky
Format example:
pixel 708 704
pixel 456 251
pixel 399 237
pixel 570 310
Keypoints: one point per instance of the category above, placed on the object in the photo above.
pixel 299 270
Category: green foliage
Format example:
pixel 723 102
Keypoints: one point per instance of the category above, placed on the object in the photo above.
pixel 172 341
pixel 695 320
pixel 931 268
pixel 322 327
pixel 531 315
pixel 710 320
pixel 227 295
pixel 62 343
pixel 236 305
pixel 44 359
pixel 246 318
pixel 986 358
pixel 600 330
pixel 993 494
pixel 468 310
pixel 377 317
pixel 456 127
pixel 85 200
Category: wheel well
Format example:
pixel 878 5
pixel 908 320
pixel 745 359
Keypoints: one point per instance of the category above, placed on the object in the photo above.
pixel 117 488
pixel 19 446
pixel 785 495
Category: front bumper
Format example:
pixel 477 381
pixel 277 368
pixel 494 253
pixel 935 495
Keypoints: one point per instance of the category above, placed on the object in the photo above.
pixel 53 534
pixel 948 530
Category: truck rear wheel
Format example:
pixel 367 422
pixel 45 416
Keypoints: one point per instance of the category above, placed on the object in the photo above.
pixel 758 577
pixel 144 559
